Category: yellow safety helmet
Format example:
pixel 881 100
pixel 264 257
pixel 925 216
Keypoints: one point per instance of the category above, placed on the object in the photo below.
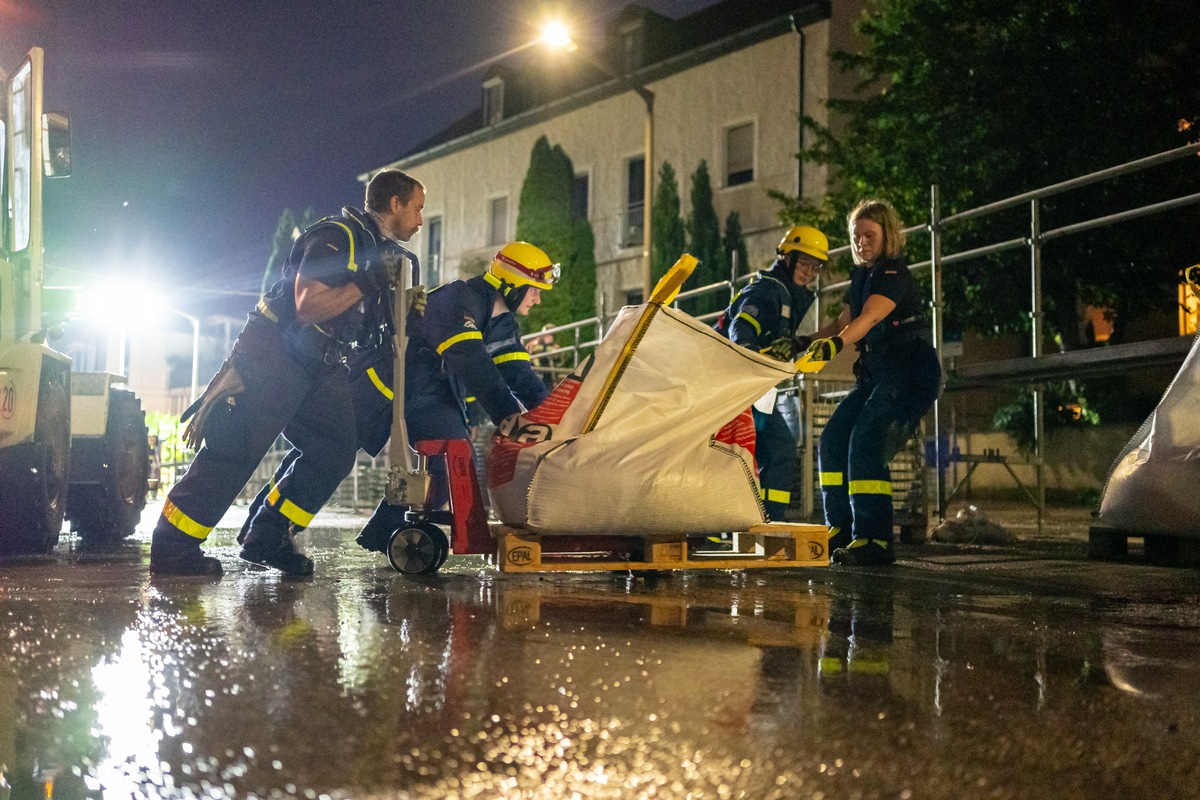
pixel 804 239
pixel 522 264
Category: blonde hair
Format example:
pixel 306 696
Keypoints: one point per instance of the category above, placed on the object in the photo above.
pixel 882 214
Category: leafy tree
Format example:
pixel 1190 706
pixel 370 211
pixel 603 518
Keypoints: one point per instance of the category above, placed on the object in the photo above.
pixel 734 244
pixel 668 237
pixel 989 100
pixel 544 218
pixel 286 231
pixel 704 242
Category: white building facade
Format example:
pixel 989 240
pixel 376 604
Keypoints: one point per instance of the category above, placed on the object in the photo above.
pixel 730 91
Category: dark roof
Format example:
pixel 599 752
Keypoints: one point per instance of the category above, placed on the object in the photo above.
pixel 666 47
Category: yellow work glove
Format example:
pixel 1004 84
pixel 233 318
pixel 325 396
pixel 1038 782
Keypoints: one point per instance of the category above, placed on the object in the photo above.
pixel 819 353
pixel 417 298
pixel 782 349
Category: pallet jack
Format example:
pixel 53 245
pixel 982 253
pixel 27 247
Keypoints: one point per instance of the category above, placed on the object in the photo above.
pixel 417 545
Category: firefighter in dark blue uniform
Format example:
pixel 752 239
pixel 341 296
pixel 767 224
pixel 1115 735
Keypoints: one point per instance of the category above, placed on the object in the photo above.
pixel 286 375
pixel 897 381
pixel 764 317
pixel 466 345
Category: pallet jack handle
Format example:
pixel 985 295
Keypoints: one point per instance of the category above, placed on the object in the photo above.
pixel 409 480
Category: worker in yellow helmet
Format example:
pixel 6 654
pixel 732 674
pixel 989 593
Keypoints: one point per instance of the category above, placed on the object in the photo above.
pixel 466 345
pixel 764 317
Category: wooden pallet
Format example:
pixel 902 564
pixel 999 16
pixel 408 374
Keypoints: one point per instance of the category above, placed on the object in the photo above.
pixel 771 545
pixel 1159 549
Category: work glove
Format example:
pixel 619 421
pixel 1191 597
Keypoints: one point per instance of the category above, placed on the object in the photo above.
pixel 418 298
pixel 819 353
pixel 782 349
pixel 221 393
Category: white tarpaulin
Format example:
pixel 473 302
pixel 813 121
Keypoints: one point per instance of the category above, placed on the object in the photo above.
pixel 1153 486
pixel 663 444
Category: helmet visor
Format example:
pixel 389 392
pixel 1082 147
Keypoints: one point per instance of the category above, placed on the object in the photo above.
pixel 541 277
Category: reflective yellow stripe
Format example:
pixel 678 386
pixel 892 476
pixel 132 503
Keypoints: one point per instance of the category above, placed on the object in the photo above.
pixel 778 496
pixel 266 311
pixel 752 321
pixel 289 509
pixel 511 357
pixel 379 384
pixel 462 337
pixel 183 522
pixel 831 479
pixel 869 667
pixel 351 266
pixel 829 666
pixel 857 543
pixel 296 514
pixel 871 487
pixel 470 399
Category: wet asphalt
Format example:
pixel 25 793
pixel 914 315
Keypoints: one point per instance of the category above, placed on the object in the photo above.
pixel 965 671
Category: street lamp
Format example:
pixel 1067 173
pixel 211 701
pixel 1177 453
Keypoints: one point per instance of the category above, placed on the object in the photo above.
pixel 556 35
pixel 121 304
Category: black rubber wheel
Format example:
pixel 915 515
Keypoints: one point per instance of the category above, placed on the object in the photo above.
pixel 31 517
pixel 418 549
pixel 107 512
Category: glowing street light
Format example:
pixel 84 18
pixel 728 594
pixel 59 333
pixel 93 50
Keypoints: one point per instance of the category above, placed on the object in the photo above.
pixel 122 304
pixel 556 34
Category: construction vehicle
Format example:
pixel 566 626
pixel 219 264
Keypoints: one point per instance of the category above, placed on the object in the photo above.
pixel 72 445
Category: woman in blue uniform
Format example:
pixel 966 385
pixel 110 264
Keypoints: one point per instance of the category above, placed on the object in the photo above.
pixel 897 381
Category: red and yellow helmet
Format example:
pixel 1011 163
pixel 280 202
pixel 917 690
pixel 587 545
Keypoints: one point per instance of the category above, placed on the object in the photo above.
pixel 522 264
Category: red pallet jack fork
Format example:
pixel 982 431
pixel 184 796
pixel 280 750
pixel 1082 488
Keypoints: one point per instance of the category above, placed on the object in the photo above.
pixel 411 514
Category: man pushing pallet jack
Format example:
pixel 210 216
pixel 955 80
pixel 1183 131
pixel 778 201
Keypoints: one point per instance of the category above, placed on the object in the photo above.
pixel 648 442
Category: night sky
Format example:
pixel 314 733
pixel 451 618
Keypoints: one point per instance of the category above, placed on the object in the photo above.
pixel 194 124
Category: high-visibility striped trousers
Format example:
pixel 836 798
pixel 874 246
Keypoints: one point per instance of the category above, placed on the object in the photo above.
pixel 866 430
pixel 775 452
pixel 310 406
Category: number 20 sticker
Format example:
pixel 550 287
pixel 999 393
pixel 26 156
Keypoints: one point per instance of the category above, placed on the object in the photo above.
pixel 8 400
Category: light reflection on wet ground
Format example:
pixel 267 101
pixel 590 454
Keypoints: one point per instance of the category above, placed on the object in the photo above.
pixel 963 672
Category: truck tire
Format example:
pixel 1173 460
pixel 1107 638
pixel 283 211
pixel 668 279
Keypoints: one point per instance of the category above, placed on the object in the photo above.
pixel 31 521
pixel 105 513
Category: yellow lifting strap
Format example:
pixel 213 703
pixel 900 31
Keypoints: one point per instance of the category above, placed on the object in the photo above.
pixel 664 292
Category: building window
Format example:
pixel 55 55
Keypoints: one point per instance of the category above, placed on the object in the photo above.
pixel 631 230
pixel 498 220
pixel 433 253
pixel 579 197
pixel 493 101
pixel 739 154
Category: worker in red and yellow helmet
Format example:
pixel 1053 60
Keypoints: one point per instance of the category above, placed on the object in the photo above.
pixel 466 345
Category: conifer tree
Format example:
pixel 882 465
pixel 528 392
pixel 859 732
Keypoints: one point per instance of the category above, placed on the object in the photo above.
pixel 544 219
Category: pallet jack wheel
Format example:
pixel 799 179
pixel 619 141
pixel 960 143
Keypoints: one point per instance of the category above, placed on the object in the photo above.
pixel 418 549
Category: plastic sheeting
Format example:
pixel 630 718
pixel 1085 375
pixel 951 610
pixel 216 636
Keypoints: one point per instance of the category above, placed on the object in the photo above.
pixel 1154 486
pixel 671 450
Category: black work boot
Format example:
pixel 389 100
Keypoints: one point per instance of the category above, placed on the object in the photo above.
pixel 269 544
pixel 377 533
pixel 865 553
pixel 838 538
pixel 173 552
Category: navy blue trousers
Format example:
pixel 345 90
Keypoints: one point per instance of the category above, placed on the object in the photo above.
pixel 309 404
pixel 775 452
pixel 867 429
